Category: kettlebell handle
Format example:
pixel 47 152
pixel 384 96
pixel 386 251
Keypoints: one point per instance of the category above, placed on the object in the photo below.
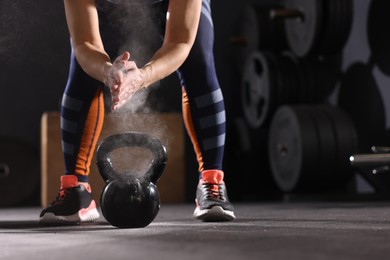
pixel 129 139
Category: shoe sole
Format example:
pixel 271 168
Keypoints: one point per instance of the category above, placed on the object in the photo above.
pixel 82 216
pixel 215 214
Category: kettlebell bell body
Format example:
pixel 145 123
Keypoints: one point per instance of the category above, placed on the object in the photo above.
pixel 130 200
pixel 122 205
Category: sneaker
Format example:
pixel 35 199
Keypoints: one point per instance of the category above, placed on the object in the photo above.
pixel 73 205
pixel 212 203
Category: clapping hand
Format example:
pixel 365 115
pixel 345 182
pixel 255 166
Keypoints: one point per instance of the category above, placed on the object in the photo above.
pixel 124 79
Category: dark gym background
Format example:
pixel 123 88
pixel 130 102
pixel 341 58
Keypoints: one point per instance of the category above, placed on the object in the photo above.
pixel 34 51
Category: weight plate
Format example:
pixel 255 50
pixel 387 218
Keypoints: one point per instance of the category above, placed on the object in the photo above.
pixel 292 76
pixel 284 80
pixel 247 154
pixel 326 171
pixel 303 34
pixel 331 21
pixel 345 26
pixel 296 71
pixel 246 40
pixel 309 148
pixel 346 140
pixel 328 75
pixel 378 35
pixel 311 156
pixel 338 15
pixel 320 77
pixel 20 167
pixel 309 82
pixel 360 97
pixel 257 89
pixel 280 81
pixel 292 147
pixel 258 32
pixel 314 81
pixel 283 86
pixel 271 34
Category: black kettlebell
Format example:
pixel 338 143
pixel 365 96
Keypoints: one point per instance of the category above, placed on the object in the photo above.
pixel 130 200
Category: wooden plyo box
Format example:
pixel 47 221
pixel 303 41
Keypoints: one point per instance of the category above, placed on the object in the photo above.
pixel 168 127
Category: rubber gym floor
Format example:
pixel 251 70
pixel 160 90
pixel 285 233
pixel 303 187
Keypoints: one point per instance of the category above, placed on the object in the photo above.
pixel 296 230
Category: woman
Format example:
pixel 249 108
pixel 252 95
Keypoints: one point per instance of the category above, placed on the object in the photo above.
pixel 185 48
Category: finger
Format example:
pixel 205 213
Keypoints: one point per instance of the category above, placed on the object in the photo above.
pixel 120 79
pixel 126 55
pixel 118 95
pixel 120 104
pixel 117 105
pixel 129 65
pixel 123 57
pixel 114 86
pixel 114 99
pixel 115 94
pixel 114 102
pixel 122 99
pixel 114 105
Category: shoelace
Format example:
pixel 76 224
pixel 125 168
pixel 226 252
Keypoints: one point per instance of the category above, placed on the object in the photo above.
pixel 213 191
pixel 61 196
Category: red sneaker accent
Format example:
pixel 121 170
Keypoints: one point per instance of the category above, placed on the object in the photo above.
pixel 212 176
pixel 68 181
pixel 84 212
